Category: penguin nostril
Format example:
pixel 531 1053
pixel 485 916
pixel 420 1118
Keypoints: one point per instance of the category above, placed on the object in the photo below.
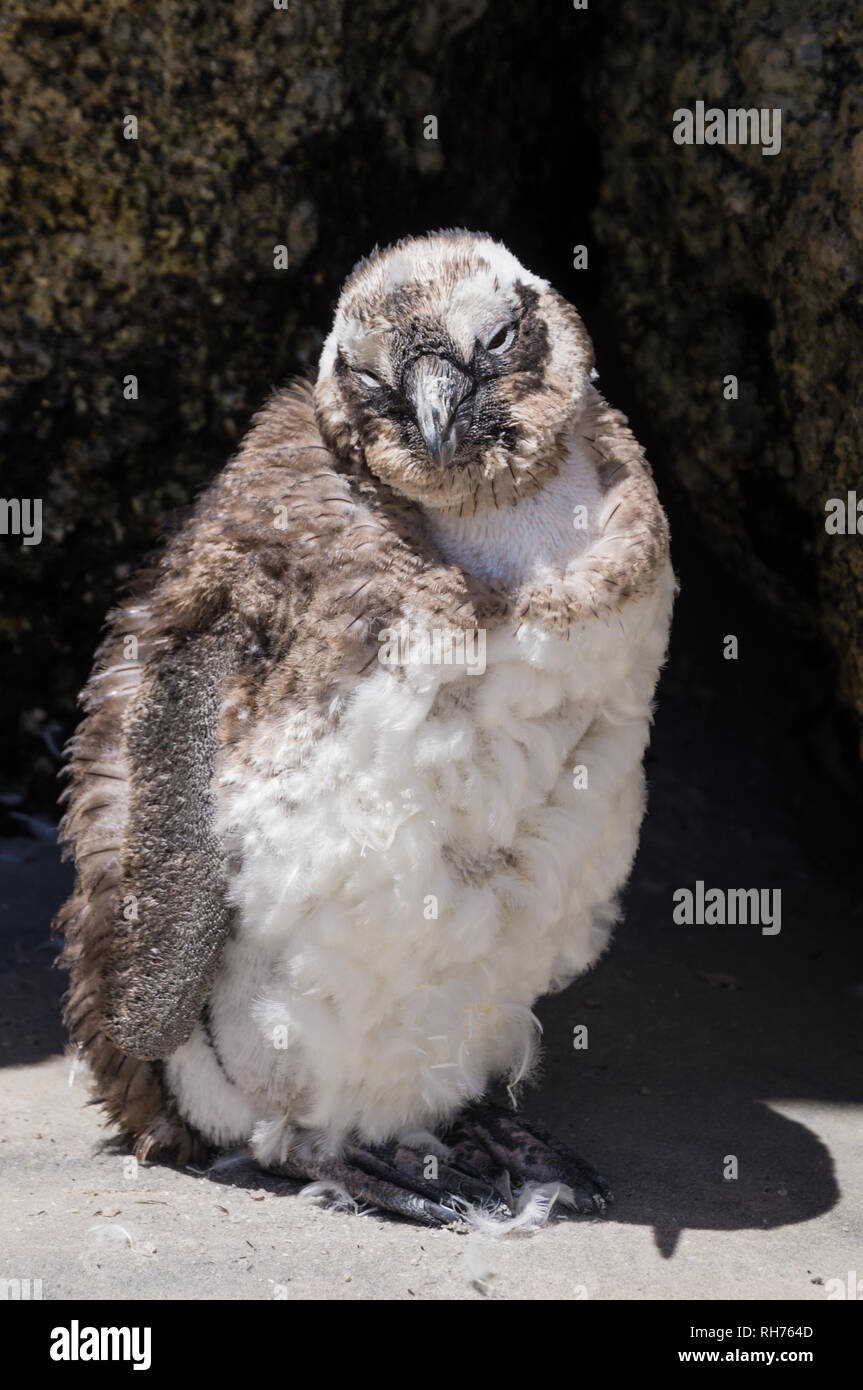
pixel 443 431
pixel 437 428
pixel 441 394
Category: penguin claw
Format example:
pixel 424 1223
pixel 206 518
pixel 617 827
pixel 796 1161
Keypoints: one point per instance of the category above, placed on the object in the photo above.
pixel 456 1187
pixel 492 1158
pixel 391 1178
pixel 494 1140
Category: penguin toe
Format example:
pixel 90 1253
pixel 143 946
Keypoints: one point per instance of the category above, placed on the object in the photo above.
pixel 445 1182
pixel 494 1170
pixel 496 1141
pixel 400 1181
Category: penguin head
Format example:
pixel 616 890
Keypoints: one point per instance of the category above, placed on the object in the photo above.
pixel 451 372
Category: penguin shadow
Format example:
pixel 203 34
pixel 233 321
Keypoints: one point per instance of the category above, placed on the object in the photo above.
pixel 697 1037
pixel 675 1090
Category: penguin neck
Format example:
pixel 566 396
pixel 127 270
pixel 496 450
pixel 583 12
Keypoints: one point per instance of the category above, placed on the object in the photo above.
pixel 538 533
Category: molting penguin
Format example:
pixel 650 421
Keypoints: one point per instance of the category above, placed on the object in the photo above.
pixel 360 773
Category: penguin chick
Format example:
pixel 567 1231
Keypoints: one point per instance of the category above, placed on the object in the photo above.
pixel 360 773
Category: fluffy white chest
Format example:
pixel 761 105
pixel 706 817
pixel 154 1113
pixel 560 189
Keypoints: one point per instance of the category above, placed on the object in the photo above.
pixel 449 853
pixel 543 532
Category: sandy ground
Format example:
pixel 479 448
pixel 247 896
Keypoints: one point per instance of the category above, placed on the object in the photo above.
pixel 703 1043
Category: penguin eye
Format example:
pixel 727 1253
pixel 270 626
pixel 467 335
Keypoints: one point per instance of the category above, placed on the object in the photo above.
pixel 367 378
pixel 501 338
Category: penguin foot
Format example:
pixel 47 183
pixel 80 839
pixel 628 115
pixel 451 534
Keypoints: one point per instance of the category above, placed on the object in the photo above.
pixel 395 1179
pixel 497 1143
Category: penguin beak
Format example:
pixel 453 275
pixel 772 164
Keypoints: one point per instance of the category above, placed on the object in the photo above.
pixel 440 395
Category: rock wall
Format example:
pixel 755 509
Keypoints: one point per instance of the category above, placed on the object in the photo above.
pixel 257 127
pixel 728 261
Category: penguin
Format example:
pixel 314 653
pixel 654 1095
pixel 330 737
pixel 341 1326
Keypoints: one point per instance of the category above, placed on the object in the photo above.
pixel 360 772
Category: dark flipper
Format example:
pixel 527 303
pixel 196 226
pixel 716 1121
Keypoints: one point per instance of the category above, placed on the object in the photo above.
pixel 495 1141
pixel 165 952
pixel 392 1177
pixel 105 827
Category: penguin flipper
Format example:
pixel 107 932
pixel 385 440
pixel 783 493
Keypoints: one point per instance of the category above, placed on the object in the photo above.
pixel 172 912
